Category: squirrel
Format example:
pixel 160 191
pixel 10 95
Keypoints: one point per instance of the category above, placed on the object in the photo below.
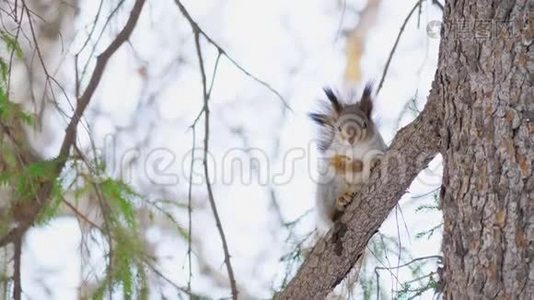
pixel 350 145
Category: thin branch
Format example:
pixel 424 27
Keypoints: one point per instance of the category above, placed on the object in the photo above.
pixel 215 67
pixel 12 55
pixel 438 4
pixel 166 279
pixel 410 262
pixel 49 77
pixel 405 224
pixel 37 49
pixel 199 30
pixel 17 288
pixel 399 239
pixel 93 49
pixel 392 52
pixel 93 27
pixel 419 12
pixel 201 112
pixel 81 215
pixel 427 193
pixel 197 118
pixel 393 275
pixel 341 20
pixel 190 209
pixel 423 289
pixel 101 63
pixel 206 170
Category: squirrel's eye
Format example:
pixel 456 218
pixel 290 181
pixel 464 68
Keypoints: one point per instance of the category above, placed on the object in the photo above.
pixel 339 128
pixel 364 124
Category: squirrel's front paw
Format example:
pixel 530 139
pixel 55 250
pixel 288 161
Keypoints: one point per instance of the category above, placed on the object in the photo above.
pixel 375 161
pixel 343 200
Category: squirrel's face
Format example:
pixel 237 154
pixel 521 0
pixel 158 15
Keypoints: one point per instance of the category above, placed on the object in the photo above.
pixel 352 126
pixel 348 124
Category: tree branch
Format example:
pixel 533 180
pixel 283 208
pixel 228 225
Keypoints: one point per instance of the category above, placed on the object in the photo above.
pixel 392 52
pixel 190 209
pixel 196 28
pixel 17 286
pixel 438 4
pixel 332 257
pixel 211 198
pixel 30 213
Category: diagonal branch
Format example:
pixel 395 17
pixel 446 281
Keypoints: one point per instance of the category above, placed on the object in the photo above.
pixel 29 214
pixel 333 256
pixel 101 62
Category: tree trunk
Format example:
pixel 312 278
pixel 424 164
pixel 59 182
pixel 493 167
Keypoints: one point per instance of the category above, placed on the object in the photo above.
pixel 487 140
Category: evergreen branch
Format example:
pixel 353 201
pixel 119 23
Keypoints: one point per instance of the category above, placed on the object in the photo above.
pixel 30 214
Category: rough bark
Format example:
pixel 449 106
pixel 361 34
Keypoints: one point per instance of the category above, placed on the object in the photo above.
pixel 487 144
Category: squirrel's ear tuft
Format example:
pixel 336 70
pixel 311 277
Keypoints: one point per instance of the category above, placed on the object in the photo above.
pixel 336 105
pixel 366 103
pixel 319 118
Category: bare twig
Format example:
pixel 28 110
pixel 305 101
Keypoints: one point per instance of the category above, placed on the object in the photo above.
pixel 399 240
pixel 190 208
pixel 215 67
pixel 50 79
pixel 93 27
pixel 404 222
pixel 392 52
pixel 93 49
pixel 341 19
pixel 427 193
pixel 438 4
pixel 81 215
pixel 17 288
pixel 206 170
pixel 395 276
pixel 419 12
pixel 398 267
pixel 12 55
pixel 166 279
pixel 197 28
pixel 206 93
pixel 410 262
pixel 101 63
